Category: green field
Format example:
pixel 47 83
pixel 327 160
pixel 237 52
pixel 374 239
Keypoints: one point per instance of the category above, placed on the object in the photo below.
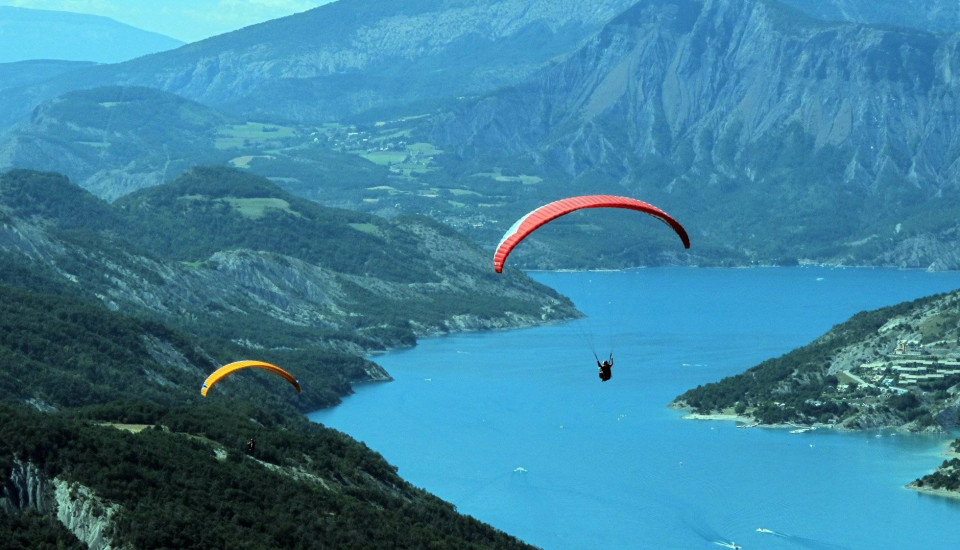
pixel 367 228
pixel 252 134
pixel 385 158
pixel 257 208
pixel 424 149
pixel 242 162
pixel 522 179
pixel 588 227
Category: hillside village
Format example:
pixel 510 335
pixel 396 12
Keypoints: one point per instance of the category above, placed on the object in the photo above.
pixel 909 367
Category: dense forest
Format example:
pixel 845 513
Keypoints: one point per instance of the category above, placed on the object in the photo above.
pixel 178 468
pixel 66 352
pixel 188 482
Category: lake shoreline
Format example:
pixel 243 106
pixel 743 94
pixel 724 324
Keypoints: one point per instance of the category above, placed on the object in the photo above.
pixel 947 453
pixel 468 410
pixel 945 493
pixel 750 422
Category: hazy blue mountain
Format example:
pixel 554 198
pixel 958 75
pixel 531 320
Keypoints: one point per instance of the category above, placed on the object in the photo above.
pixel 780 135
pixel 680 102
pixel 353 56
pixel 115 140
pixel 43 34
pixel 926 15
pixel 25 73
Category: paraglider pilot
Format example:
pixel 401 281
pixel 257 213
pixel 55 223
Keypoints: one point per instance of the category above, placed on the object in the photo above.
pixel 251 445
pixel 605 367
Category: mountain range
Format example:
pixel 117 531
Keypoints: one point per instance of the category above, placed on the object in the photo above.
pixel 352 56
pixel 774 136
pixel 780 135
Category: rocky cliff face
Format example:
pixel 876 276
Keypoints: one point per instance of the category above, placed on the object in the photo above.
pixel 754 109
pixel 736 73
pixel 27 489
pixel 84 514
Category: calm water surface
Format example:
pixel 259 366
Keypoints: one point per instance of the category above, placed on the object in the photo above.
pixel 515 428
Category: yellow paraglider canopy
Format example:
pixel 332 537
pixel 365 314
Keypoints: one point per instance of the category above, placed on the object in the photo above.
pixel 231 368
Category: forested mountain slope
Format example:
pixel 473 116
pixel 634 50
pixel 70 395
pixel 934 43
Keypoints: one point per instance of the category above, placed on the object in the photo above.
pixel 897 366
pixel 231 256
pixel 113 315
pixel 115 140
pixel 106 442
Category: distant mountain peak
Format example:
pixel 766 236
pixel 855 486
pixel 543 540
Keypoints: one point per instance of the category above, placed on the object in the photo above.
pixel 353 56
pixel 25 34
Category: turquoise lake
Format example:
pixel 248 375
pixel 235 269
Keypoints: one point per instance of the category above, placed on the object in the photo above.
pixel 515 428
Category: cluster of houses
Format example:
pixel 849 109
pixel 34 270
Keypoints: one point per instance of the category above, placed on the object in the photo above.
pixel 907 368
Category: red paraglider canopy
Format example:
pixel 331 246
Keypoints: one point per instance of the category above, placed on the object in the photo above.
pixel 548 212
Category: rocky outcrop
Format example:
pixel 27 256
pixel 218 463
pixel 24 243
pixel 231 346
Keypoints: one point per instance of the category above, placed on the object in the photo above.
pixel 87 516
pixel 935 252
pixel 81 511
pixel 27 488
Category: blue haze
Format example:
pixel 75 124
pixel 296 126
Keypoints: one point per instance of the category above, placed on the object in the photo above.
pixel 515 428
